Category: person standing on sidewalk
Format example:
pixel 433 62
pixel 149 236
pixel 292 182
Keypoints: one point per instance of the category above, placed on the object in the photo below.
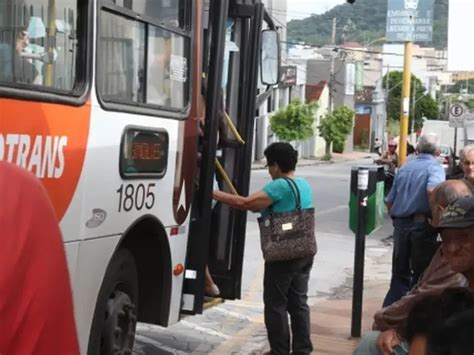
pixel 285 288
pixel 408 204
pixel 390 322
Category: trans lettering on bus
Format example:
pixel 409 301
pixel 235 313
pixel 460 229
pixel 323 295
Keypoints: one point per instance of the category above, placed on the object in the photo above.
pixel 42 155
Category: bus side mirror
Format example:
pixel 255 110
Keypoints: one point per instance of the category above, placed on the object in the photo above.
pixel 270 57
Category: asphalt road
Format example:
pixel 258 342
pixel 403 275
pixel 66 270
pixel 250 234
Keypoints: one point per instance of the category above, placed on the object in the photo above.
pixel 236 327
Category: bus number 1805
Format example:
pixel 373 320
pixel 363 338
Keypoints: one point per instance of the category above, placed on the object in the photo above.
pixel 136 197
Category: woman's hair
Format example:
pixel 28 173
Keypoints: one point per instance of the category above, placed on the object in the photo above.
pixel 446 320
pixel 282 154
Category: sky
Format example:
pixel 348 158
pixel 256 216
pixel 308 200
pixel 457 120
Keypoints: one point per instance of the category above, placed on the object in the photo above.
pixel 298 9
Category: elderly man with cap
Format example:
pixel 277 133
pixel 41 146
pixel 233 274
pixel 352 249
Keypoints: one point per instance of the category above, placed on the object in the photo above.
pixel 408 203
pixel 452 332
pixel 456 227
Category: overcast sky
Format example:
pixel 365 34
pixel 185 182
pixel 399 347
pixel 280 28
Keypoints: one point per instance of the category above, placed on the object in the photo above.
pixel 298 9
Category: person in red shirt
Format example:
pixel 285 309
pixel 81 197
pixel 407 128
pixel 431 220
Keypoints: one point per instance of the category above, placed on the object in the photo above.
pixel 36 309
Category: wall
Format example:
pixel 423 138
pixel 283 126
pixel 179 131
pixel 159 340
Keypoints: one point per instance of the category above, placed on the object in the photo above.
pixel 315 147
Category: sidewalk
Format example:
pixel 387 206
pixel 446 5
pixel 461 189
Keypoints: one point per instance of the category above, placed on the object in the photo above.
pixel 331 318
pixel 336 158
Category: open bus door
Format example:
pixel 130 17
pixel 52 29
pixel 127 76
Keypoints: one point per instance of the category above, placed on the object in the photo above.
pixel 231 63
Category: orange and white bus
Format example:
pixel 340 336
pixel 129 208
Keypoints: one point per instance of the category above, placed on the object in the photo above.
pixel 101 100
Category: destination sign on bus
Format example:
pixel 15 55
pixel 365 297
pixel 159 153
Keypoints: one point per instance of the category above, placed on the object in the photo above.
pixel 144 153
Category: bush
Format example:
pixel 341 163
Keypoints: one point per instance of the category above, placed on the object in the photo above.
pixel 338 146
pixel 294 122
pixel 335 127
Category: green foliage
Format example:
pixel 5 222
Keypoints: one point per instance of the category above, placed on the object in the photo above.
pixel 425 105
pixel 470 104
pixel 295 121
pixel 338 146
pixel 335 127
pixel 393 128
pixel 362 22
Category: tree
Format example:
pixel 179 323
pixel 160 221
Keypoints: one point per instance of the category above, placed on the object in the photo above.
pixel 335 127
pixel 425 105
pixel 295 121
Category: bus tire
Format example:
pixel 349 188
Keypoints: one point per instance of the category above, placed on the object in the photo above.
pixel 115 317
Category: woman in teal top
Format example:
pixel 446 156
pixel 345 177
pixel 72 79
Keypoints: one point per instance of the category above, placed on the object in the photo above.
pixel 285 284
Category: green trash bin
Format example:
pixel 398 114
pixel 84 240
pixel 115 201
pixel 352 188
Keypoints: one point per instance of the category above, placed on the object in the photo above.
pixel 375 198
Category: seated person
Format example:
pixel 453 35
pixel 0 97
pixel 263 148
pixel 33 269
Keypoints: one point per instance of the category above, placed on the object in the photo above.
pixel 442 324
pixel 390 322
pixel 390 157
pixel 24 71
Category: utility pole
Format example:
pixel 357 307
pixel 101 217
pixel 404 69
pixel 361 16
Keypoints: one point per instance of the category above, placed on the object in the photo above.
pixel 386 79
pixel 332 69
pixel 405 102
pixel 413 103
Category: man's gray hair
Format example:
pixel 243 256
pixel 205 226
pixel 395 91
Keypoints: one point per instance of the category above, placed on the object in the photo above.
pixel 465 151
pixel 428 144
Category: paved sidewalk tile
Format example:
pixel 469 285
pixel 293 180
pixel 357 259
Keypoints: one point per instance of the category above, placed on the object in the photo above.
pixel 331 321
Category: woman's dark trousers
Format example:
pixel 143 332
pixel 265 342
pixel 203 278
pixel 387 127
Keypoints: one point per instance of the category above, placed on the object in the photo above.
pixel 285 290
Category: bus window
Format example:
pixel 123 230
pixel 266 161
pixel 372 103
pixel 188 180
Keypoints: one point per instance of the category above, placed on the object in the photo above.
pixel 167 74
pixel 38 43
pixel 121 62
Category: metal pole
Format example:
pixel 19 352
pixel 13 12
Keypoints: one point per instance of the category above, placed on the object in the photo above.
pixel 413 103
pixel 332 68
pixel 455 141
pixel 405 103
pixel 51 42
pixel 358 285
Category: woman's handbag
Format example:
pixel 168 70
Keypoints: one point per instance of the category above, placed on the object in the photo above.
pixel 288 235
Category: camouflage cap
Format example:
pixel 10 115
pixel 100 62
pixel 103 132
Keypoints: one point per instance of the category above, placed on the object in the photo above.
pixel 458 214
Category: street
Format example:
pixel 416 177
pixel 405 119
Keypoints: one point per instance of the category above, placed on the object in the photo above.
pixel 237 326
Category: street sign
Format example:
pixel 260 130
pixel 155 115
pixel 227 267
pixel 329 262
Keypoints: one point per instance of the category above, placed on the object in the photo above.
pixel 460 115
pixel 456 110
pixel 409 20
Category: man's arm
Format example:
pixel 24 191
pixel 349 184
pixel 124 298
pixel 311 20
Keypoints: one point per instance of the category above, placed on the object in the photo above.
pixel 436 176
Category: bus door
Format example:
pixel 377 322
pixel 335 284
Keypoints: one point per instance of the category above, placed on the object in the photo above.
pixel 231 66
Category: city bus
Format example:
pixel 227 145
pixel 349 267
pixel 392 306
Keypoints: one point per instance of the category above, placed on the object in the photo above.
pixel 103 100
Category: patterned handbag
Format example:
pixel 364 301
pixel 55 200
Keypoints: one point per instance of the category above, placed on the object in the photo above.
pixel 288 235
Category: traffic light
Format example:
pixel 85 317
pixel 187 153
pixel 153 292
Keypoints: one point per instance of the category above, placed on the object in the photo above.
pixel 351 1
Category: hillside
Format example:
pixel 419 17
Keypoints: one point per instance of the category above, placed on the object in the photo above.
pixel 362 22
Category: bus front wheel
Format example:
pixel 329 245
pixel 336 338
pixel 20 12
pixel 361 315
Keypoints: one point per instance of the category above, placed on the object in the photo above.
pixel 115 316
